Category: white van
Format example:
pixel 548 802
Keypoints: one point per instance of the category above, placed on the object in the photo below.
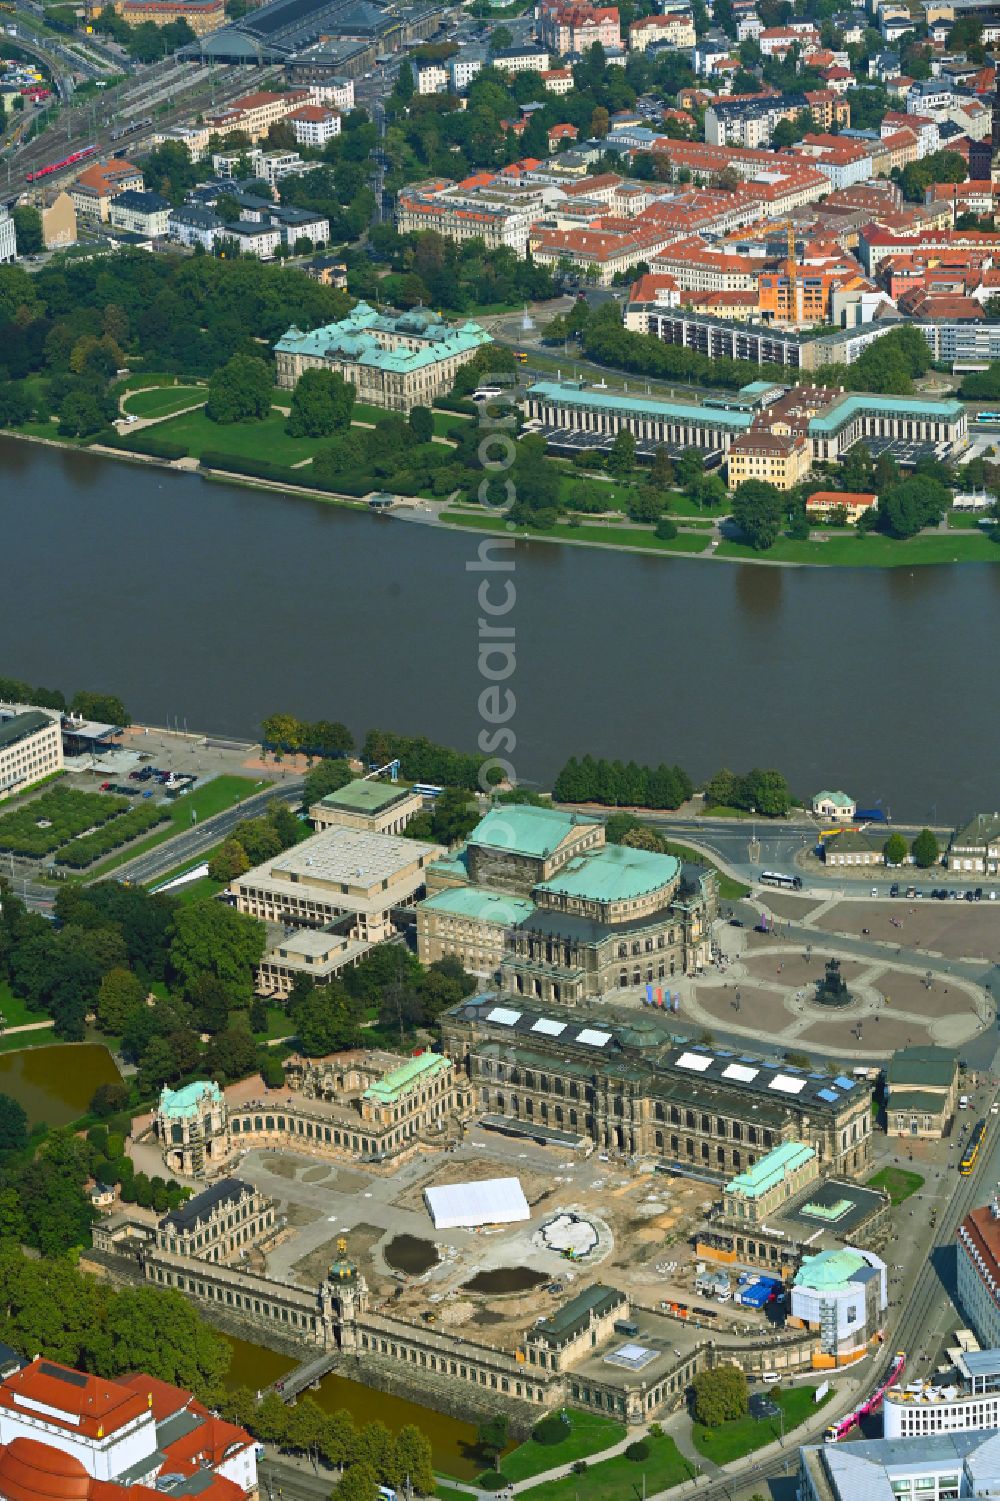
pixel 770 1378
pixel 963 1102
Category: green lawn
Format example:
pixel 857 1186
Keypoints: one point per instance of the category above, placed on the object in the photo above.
pixel 588 1433
pixel 18 1041
pixel 743 1435
pixel 15 1012
pixel 163 403
pixel 729 890
pixel 873 551
pixel 620 1479
pixel 246 440
pixel 898 1182
pixel 214 797
pixel 617 536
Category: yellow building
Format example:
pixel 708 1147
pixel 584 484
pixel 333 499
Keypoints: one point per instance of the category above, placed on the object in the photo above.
pixel 777 459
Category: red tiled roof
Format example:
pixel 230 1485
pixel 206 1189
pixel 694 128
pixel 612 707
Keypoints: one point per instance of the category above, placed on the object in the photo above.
pixel 79 1402
pixel 840 498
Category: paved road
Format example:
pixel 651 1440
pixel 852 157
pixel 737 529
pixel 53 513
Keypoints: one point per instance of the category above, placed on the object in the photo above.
pixel 203 836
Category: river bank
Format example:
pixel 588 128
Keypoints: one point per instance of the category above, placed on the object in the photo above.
pixel 942 546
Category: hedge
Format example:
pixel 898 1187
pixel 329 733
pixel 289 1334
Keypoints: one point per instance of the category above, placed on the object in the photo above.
pixel 152 446
pixel 456 404
pixel 67 814
pixel 345 484
pixel 90 847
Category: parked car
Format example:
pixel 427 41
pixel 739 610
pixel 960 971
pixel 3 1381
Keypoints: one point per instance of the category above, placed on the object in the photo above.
pixel 105 786
pixel 894 889
pixel 978 893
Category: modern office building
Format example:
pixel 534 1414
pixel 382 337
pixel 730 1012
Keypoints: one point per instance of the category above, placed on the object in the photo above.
pixel 947 1406
pixel 943 1467
pixel 394 360
pixel 978 1247
pixel 8 238
pixel 341 876
pixel 375 807
pixel 30 746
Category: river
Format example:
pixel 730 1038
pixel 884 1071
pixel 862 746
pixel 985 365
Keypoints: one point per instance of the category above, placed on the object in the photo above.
pixel 219 604
pixel 452 1440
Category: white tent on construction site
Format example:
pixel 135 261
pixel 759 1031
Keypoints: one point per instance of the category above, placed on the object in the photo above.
pixel 495 1201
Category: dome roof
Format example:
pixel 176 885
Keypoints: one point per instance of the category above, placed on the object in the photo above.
pixel 30 1471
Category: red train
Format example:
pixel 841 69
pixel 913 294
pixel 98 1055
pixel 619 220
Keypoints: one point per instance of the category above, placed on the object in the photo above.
pixel 67 161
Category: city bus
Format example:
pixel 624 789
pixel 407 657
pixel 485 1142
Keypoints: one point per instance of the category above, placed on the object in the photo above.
pixel 775 878
pixel 968 1162
pixel 988 416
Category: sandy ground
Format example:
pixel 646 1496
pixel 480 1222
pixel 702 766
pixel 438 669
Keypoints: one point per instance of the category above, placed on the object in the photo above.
pixel 784 904
pixel 797 971
pixel 958 930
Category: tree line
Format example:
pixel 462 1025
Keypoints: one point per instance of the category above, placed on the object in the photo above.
pixel 616 784
pixel 105 708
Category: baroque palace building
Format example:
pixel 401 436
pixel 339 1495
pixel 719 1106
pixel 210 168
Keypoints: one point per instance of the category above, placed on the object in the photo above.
pixel 622 1083
pixel 536 898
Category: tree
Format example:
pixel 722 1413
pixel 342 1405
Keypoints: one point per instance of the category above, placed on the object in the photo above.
pixel 323 1023
pixel 767 791
pixel 719 1395
pixel 121 995
pixel 621 461
pixel 491 1436
pixel 422 424
pixel 108 1099
pixel 240 391
pixel 404 82
pixel 359 1482
pixel 661 471
pixel 924 849
pixel 321 404
pixel 28 229
pixel 599 122
pixel 501 37
pixel 758 512
pixel 159 1332
pixel 894 849
pixel 415 1459
pixel 229 861
pixel 13 1125
pixel 210 938
pixel 328 776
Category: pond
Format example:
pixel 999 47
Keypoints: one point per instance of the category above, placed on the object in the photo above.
pixel 452 1441
pixel 56 1084
pixel 506 1279
pixel 412 1254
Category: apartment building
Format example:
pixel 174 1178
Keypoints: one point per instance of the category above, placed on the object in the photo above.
pixel 777 40
pixel 527 59
pixel 599 252
pixel 557 80
pixel 8 238
pixel 673 30
pixel 337 92
pixel 314 124
pixel 461 214
pixel 203 16
pixel 141 213
pixel 30 746
pixel 843 162
pixel 575 27
pixel 696 267
pixel 432 78
pixel 93 190
pixel 256 113
pixel 750 122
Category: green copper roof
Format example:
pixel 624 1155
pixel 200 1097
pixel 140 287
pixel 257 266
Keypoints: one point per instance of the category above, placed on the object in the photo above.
pixel 771 1169
pixel 830 1270
pixel 389 1088
pixel 524 830
pixel 845 410
pixel 189 1098
pixel 615 873
pixel 356 340
pixel 481 903
pixel 364 797
pixel 834 797
pixel 567 395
